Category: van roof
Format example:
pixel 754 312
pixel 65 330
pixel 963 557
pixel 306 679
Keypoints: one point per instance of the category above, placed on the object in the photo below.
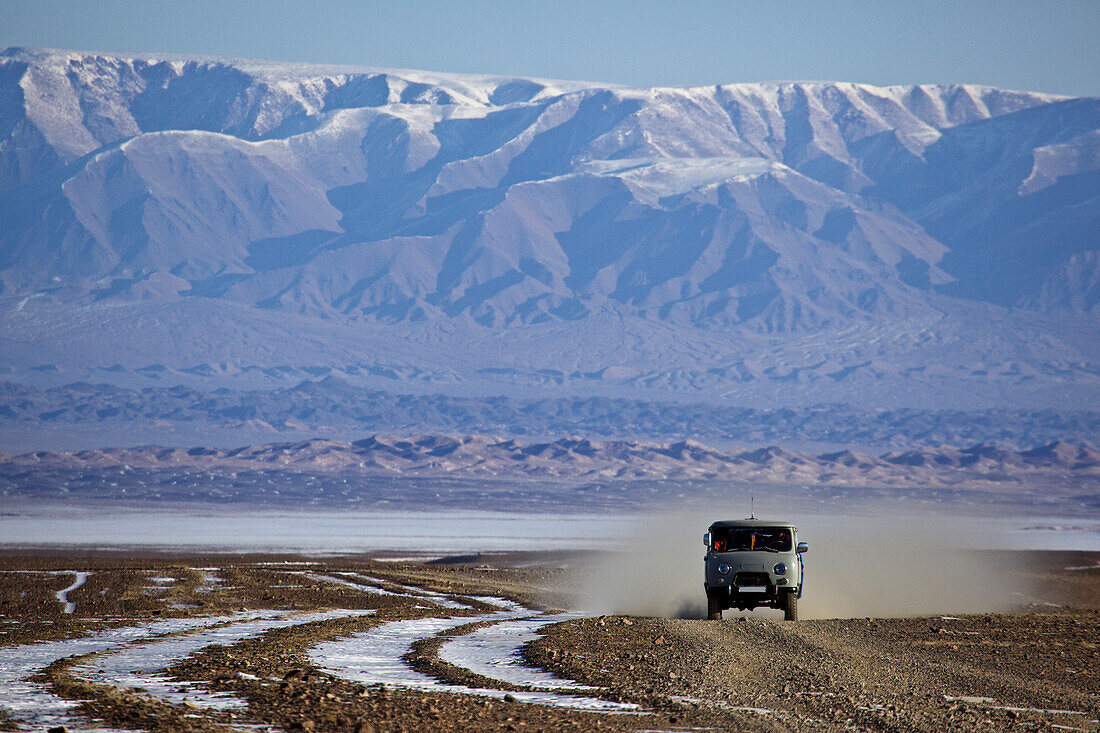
pixel 728 523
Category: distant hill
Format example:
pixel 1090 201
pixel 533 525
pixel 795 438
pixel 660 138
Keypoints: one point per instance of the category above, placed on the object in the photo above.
pixel 87 415
pixel 579 459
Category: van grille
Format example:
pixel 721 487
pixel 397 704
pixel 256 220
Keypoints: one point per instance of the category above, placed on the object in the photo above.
pixel 749 579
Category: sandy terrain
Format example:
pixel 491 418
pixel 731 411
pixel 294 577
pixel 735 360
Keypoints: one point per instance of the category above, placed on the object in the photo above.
pixel 230 642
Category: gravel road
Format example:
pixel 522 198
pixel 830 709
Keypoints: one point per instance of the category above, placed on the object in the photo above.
pixel 1034 669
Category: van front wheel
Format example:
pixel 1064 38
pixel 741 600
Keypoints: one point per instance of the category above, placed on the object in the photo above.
pixel 714 608
pixel 790 606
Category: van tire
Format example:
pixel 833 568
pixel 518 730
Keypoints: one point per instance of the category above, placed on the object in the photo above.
pixel 790 606
pixel 714 608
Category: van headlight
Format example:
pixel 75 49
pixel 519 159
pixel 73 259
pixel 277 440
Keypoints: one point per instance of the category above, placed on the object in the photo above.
pixel 780 569
pixel 723 568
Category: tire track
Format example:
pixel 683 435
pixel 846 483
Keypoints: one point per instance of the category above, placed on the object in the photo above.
pixel 379 656
pixel 33 703
pixel 139 666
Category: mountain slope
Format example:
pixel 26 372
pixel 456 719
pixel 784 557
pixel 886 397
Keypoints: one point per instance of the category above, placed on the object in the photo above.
pixel 789 204
pixel 1053 467
pixel 927 245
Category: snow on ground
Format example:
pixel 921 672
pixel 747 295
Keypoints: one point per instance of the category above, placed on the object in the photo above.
pixel 377 657
pixel 496 652
pixel 499 602
pixel 136 657
pixel 374 585
pixel 1094 566
pixel 437 598
pixel 33 704
pixel 718 704
pixel 140 666
pixel 63 594
pixel 991 703
pixel 376 590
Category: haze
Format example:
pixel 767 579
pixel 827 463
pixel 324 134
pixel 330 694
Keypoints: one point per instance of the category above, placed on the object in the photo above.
pixel 1047 47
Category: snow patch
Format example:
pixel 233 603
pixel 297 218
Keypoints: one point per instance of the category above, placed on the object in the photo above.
pixel 1094 566
pixel 63 594
pixel 139 666
pixel 683 699
pixel 496 652
pixel 669 176
pixel 413 591
pixel 377 657
pixel 32 703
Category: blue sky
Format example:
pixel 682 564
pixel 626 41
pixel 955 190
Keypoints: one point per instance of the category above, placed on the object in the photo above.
pixel 1046 46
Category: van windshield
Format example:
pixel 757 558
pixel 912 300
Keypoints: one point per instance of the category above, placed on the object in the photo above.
pixel 768 539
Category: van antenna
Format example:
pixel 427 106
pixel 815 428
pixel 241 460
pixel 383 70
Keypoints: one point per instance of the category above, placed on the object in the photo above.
pixel 752 509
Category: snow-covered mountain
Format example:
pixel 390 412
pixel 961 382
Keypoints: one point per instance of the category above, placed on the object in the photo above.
pixel 870 244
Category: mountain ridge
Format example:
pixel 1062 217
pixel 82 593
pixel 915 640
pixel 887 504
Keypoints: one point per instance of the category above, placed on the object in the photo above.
pixel 578 458
pixel 90 414
pixel 296 69
pixel 801 242
pixel 742 120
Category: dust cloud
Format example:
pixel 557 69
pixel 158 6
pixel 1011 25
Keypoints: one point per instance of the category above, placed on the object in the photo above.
pixel 880 566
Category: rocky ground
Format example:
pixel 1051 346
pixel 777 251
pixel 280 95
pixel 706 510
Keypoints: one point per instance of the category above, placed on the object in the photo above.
pixel 1035 669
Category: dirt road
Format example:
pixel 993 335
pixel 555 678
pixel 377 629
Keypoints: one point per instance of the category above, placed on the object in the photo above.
pixel 350 644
